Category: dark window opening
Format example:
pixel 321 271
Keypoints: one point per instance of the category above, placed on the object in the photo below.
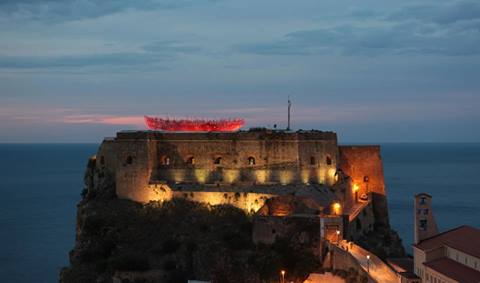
pixel 312 160
pixel 423 224
pixel 129 160
pixel 365 179
pixel 102 160
pixel 251 160
pixel 191 160
pixel 218 161
pixel 329 160
pixel 423 200
pixel 274 231
pixel 425 211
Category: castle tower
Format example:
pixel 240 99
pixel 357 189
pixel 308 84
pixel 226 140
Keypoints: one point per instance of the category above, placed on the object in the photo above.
pixel 424 222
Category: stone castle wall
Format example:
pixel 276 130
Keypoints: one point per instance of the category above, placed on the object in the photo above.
pixel 363 165
pixel 138 159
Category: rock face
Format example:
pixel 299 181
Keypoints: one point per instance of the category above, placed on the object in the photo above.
pixel 124 241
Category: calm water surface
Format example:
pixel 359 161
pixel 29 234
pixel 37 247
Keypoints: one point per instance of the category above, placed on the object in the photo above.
pixel 40 186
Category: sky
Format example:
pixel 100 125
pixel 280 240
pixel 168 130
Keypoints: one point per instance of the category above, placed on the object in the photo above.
pixel 372 71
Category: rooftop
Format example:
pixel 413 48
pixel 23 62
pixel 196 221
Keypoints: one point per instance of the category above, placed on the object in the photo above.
pixel 454 270
pixel 463 238
pixel 253 134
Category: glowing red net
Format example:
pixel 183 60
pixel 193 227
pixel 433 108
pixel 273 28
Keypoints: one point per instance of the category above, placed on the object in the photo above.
pixel 196 125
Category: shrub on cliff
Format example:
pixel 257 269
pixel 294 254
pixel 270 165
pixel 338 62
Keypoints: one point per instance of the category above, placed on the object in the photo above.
pixel 182 238
pixel 130 262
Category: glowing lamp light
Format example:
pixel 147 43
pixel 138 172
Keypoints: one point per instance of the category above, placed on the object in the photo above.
pixel 331 175
pixel 355 188
pixel 336 208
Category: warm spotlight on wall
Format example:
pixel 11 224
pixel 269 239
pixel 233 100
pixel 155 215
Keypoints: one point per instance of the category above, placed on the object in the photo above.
pixel 231 176
pixel 286 177
pixel 201 175
pixel 355 188
pixel 337 208
pixel 261 176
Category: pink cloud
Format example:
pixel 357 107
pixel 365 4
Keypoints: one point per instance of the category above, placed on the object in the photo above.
pixel 103 119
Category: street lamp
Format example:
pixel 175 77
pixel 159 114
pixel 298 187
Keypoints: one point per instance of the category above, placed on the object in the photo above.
pixel 338 236
pixel 336 208
pixel 368 263
pixel 283 276
pixel 355 190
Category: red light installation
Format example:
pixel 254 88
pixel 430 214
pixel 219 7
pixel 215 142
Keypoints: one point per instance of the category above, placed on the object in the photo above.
pixel 193 125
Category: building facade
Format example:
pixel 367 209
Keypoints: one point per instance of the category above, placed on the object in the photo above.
pixel 448 257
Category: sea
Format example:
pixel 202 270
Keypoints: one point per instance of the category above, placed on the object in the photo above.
pixel 40 185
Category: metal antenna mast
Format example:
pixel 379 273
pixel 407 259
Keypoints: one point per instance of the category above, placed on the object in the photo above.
pixel 289 106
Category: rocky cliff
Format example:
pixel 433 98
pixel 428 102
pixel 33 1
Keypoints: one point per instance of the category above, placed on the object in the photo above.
pixel 123 241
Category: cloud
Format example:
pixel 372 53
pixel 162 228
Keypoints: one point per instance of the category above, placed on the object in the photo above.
pixel 169 47
pixel 69 10
pixel 439 14
pixel 137 121
pixel 451 38
pixel 161 51
pixel 124 59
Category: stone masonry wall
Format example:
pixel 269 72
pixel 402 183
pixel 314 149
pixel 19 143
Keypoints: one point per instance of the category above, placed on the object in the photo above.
pixel 363 164
pixel 138 159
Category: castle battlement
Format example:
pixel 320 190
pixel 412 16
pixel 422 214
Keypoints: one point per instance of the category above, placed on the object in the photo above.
pixel 152 165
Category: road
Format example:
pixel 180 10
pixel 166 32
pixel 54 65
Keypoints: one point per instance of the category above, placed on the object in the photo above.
pixel 379 271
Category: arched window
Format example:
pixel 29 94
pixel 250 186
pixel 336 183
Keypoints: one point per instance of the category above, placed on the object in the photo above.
pixel 129 160
pixel 251 160
pixel 166 160
pixel 218 161
pixel 312 160
pixel 191 160
pixel 329 160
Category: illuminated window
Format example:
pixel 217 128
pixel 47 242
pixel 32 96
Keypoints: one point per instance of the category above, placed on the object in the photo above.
pixel 166 160
pixel 129 160
pixel 329 160
pixel 312 160
pixel 218 161
pixel 191 160
pixel 365 179
pixel 251 160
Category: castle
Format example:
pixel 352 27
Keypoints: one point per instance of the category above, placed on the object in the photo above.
pixel 247 169
pixel 298 185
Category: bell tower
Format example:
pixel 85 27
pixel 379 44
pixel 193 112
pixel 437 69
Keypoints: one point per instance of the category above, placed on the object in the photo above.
pixel 424 221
